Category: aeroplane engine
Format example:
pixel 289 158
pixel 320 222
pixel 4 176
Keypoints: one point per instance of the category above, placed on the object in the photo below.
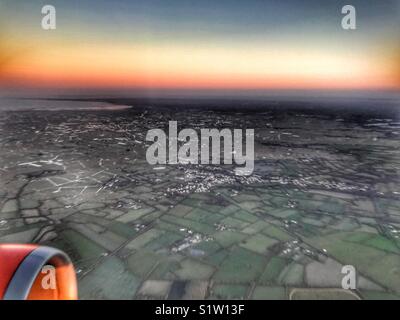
pixel 32 272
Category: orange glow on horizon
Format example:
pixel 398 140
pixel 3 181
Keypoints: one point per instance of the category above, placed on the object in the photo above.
pixel 190 67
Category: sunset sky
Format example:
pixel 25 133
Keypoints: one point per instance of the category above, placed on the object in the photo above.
pixel 184 44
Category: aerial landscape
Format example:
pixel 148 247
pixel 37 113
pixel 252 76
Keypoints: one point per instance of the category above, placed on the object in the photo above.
pixel 324 193
pixel 78 99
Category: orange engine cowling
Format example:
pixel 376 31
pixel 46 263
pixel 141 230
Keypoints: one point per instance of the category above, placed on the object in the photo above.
pixel 25 270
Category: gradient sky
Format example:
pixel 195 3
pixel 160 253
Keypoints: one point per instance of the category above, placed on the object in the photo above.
pixel 185 44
